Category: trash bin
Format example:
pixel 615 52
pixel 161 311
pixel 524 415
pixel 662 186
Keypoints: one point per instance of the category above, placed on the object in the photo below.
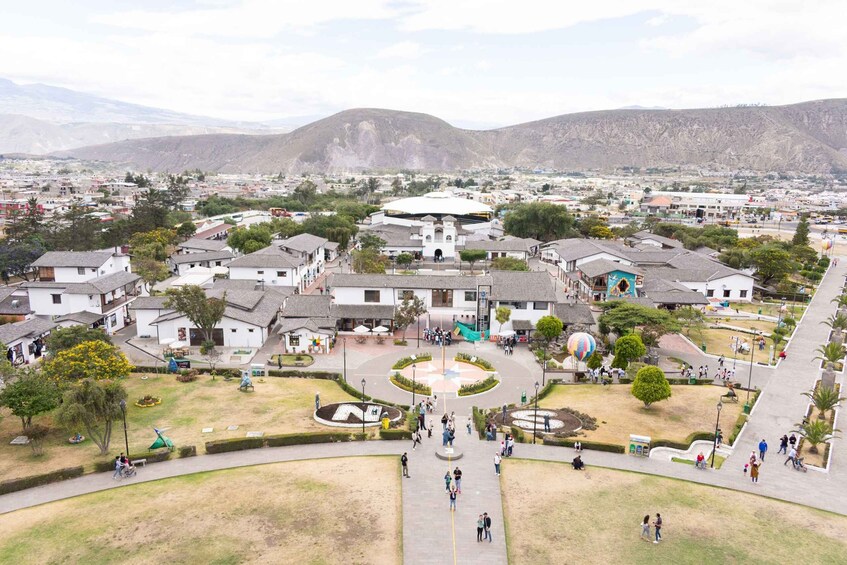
pixel 523 397
pixel 385 422
pixel 760 311
pixel 692 380
pixel 703 347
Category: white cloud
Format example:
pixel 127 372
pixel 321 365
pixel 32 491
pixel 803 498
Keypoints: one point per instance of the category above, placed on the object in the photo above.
pixel 657 20
pixel 402 50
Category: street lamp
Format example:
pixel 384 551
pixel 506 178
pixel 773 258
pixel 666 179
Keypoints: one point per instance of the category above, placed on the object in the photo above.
pixel 364 407
pixel 750 375
pixel 126 438
pixel 781 310
pixel 344 349
pixel 544 369
pixel 734 352
pixel 413 385
pixel 535 418
pixel 717 429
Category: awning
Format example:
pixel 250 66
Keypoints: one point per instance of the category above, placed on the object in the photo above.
pixel 522 325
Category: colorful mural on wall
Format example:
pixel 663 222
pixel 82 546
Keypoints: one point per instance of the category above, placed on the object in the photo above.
pixel 620 284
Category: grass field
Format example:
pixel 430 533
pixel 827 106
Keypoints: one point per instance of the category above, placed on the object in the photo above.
pixel 556 515
pixel 771 308
pixel 619 414
pixel 718 342
pixel 305 512
pixel 279 405
pixel 761 325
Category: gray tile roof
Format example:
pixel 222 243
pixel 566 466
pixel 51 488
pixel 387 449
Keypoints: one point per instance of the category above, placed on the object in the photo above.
pixel 522 325
pixel 573 313
pixel 269 257
pixel 97 285
pixel 304 242
pixel 148 303
pixel 253 307
pixel 33 327
pixel 333 245
pixel 202 256
pixel 576 248
pixel 456 282
pixel 13 305
pixel 81 317
pixel 90 259
pixel 514 245
pixel 376 311
pixel 516 286
pixel 678 297
pixel 307 306
pixel 322 325
pixel 236 284
pixel 644 234
pixel 204 244
pixel 599 267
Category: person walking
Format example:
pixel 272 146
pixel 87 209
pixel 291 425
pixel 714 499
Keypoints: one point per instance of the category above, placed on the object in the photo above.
pixel 404 462
pixel 416 438
pixel 547 423
pixel 487 524
pixel 480 528
pixel 657 526
pixel 119 466
pixel 763 448
pixel 447 480
pixel 754 472
pixel 783 445
pixel 645 528
pixel 453 500
pixel 792 456
pixel 497 460
pixel 457 477
pixel 792 441
pixel 469 426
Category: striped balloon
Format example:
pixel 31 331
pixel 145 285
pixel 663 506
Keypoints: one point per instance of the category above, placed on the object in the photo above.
pixel 826 244
pixel 581 345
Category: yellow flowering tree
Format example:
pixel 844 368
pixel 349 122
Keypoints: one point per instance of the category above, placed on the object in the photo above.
pixel 95 360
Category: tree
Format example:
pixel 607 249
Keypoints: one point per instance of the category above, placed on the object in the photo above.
pixel 306 192
pixel 204 312
pixel 816 432
pixel 62 339
pixel 623 317
pixel 29 396
pixel 93 406
pixel 408 313
pixel 772 263
pixel 831 352
pixel 595 361
pixel 547 330
pixel 151 271
pixel 16 257
pixel 502 314
pixel 650 385
pixel 250 240
pixel 472 256
pixel 156 244
pixel 508 264
pixel 840 300
pixel 186 230
pixel 405 259
pixel 96 360
pixel 835 322
pixel 801 233
pixel 368 261
pixel 539 220
pixel 212 355
pixel 36 434
pixel 825 399
pixel 628 348
pixel 601 232
pixel 371 241
pixel 396 187
pixel 691 319
pixel 27 224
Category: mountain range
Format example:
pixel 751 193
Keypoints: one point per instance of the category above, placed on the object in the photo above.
pixel 808 137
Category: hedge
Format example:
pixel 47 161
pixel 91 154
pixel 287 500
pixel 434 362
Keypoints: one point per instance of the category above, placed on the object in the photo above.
pixel 151 457
pixel 23 483
pixel 478 387
pixel 234 444
pixel 479 362
pixel 400 381
pixel 686 443
pixel 592 445
pixel 518 434
pixel 239 444
pixel 395 434
pixel 406 361
pixel 739 423
pixel 357 394
pixel 325 375
pixel 544 392
pixel 187 451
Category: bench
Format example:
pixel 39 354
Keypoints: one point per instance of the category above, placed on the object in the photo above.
pixel 244 388
pixel 142 462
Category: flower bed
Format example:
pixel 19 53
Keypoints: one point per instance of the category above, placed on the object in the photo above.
pixel 406 361
pixel 474 360
pixel 148 401
pixel 478 387
pixel 400 381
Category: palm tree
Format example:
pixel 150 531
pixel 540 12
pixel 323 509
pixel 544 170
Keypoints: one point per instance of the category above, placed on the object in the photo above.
pixel 824 399
pixel 840 300
pixel 836 322
pixel 815 433
pixel 831 352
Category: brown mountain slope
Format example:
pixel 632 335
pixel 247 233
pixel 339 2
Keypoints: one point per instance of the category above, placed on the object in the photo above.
pixel 808 137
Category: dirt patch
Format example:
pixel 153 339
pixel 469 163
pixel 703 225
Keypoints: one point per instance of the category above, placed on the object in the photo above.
pixel 277 513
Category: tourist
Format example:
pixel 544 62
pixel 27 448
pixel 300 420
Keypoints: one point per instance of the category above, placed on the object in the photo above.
pixel 645 528
pixel 763 448
pixel 453 500
pixel 783 444
pixel 480 528
pixel 468 425
pixel 547 423
pixel 404 462
pixel 451 435
pixel 701 461
pixel 746 466
pixel 754 472
pixel 577 445
pixel 416 439
pixel 434 402
pixel 752 457
pixel 657 525
pixel 457 477
pixel 577 463
pixel 497 460
pixel 510 445
pixel 792 440
pixel 444 421
pixel 720 361
pixel 119 466
pixel 719 439
pixel 448 478
pixel 503 447
pixel 792 455
pixel 445 437
pixel 487 521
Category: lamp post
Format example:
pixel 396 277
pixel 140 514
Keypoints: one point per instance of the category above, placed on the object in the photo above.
pixel 364 407
pixel 535 417
pixel 413 385
pixel 781 310
pixel 717 428
pixel 734 352
pixel 344 350
pixel 750 375
pixel 126 438
pixel 544 369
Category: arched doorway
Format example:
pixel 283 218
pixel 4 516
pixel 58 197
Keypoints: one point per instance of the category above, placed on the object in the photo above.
pixel 439 256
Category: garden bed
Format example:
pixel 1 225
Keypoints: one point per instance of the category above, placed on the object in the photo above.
pixel 291 360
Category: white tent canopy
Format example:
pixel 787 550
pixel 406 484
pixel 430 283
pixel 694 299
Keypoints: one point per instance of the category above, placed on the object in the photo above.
pixel 506 333
pixel 361 329
pixel 380 329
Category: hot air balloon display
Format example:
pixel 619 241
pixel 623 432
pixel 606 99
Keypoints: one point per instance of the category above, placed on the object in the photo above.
pixel 581 345
pixel 826 244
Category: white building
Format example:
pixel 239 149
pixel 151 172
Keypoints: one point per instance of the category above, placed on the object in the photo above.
pixel 295 262
pixel 24 340
pixel 181 263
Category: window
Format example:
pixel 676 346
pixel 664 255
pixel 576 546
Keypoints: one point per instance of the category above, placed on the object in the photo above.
pixel 442 298
pixel 250 330
pixel 80 270
pixel 93 270
pixel 294 340
pixel 726 293
pixel 470 296
pixel 260 272
pixel 405 294
pixel 371 296
pixel 448 238
pixel 233 330
pixel 514 305
pixel 428 238
pixel 743 294
pixel 57 298
pixel 710 293
pixel 282 274
pixel 539 306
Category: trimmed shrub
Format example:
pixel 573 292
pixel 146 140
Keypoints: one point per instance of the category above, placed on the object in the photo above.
pixel 518 434
pixel 478 387
pixel 406 384
pixel 187 375
pixel 401 342
pixel 592 445
pixel 406 361
pixel 324 375
pixel 234 444
pixel 395 434
pixel 187 451
pixel 686 443
pixel 23 483
pixel 309 438
pixel 479 421
pixel 477 361
pixel 739 423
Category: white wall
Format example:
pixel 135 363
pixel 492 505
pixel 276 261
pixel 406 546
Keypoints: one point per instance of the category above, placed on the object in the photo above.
pixel 306 337
pixel 733 283
pixel 142 322
pixel 241 337
pixel 269 275
pixel 41 302
pixel 528 313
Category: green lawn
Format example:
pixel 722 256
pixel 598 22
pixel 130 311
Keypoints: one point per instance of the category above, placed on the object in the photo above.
pixel 277 513
pixel 719 459
pixel 290 360
pixel 557 515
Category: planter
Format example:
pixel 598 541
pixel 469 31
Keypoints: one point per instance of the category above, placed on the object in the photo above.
pixel 148 401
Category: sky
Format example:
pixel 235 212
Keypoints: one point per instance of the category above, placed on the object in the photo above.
pixel 474 63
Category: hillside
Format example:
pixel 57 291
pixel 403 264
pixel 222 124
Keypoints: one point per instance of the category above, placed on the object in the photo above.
pixel 807 137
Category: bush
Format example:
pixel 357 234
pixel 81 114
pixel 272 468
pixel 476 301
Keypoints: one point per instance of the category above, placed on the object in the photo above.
pixel 518 434
pixel 325 375
pixel 736 429
pixel 481 363
pixel 479 421
pixel 306 438
pixel 406 361
pixel 478 387
pixel 234 444
pixel 187 451
pixel 823 261
pixel 187 375
pixel 23 483
pixel 592 445
pixel 686 443
pixel 395 434
pixel 650 385
pixel 406 384
pixel 401 342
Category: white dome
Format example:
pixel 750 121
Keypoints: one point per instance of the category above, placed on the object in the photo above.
pixel 441 203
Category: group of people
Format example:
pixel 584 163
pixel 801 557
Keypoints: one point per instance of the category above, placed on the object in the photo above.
pixel 509 344
pixel 604 375
pixel 657 528
pixel 453 484
pixel 788 447
pixel 448 429
pixel 507 444
pixel 123 467
pixel 437 336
